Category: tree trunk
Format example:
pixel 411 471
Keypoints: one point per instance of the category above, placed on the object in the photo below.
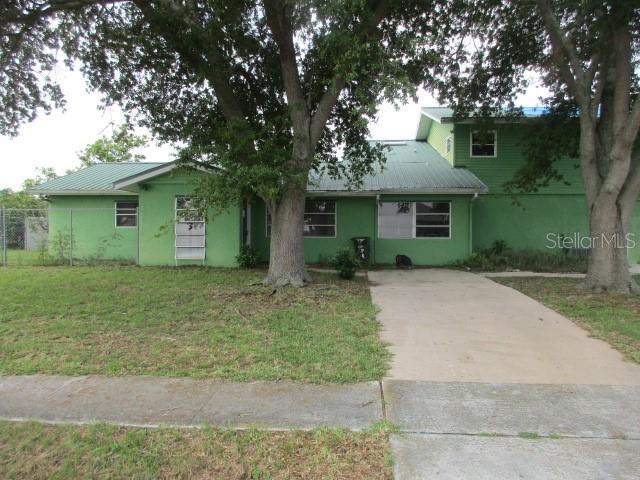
pixel 286 259
pixel 608 268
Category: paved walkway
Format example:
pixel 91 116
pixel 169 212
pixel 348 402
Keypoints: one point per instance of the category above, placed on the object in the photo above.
pixel 447 325
pixel 447 430
pixel 153 401
pixel 475 431
pixel 634 269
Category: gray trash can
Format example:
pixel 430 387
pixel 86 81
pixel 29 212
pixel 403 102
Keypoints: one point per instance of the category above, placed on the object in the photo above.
pixel 362 247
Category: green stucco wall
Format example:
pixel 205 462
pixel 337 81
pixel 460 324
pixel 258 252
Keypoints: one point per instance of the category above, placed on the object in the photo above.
pixel 494 172
pixel 91 222
pixel 437 135
pixel 357 216
pixel 527 225
pixel 157 234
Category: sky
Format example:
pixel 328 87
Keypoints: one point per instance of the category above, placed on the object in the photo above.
pixel 54 140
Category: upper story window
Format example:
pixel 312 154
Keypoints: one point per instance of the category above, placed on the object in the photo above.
pixel 484 143
pixel 126 214
pixel 319 219
pixel 448 144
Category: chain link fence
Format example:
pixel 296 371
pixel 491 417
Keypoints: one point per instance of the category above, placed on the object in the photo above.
pixel 68 236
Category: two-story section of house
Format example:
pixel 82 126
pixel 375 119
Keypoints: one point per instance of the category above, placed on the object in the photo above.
pixel 494 155
pixel 438 198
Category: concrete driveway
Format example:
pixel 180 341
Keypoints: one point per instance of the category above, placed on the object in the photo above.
pixel 446 325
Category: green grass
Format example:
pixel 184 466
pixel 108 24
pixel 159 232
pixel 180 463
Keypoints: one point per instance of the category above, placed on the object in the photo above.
pixel 26 257
pixel 21 258
pixel 36 451
pixel 196 322
pixel 612 317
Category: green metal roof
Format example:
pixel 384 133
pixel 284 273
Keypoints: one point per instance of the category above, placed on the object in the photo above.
pixel 411 166
pixel 97 178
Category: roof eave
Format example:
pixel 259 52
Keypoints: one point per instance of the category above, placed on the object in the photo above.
pixel 80 192
pixel 401 191
pixel 432 117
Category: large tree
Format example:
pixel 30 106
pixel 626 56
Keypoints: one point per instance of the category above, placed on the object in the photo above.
pixel 586 52
pixel 256 92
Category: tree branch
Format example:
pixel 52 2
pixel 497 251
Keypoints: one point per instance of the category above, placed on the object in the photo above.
pixel 564 53
pixel 622 80
pixel 279 21
pixel 213 66
pixel 49 9
pixel 330 96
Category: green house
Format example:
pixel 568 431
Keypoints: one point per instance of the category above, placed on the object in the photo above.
pixel 439 197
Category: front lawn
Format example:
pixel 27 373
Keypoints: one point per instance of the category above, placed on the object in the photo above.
pixel 36 451
pixel 611 317
pixel 197 322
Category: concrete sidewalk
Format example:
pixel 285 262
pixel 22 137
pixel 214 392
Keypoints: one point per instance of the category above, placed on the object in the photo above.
pixel 153 401
pixel 476 431
pixel 633 269
pixel 447 430
pixel 456 457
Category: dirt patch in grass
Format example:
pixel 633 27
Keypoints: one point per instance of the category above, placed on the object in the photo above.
pixel 36 451
pixel 612 317
pixel 197 322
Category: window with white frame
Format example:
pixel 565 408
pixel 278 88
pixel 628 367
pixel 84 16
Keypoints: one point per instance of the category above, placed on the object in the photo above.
pixel 126 214
pixel 190 231
pixel 448 144
pixel 319 218
pixel 414 220
pixel 484 143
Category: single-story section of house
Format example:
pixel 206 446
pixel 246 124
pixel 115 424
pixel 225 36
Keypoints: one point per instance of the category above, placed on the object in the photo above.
pixel 438 198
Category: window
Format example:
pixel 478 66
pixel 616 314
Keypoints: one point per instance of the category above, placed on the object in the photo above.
pixel 319 219
pixel 433 219
pixel 126 214
pixel 484 144
pixel 190 231
pixel 448 144
pixel 414 220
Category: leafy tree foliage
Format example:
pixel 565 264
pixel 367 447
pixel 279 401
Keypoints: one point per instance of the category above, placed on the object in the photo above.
pixel 119 147
pixel 258 92
pixel 587 53
pixel 44 174
pixel 20 200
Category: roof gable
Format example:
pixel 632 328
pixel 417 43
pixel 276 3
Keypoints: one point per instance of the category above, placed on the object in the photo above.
pixel 96 179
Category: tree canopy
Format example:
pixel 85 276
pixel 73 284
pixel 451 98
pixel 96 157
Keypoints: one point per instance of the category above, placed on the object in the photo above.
pixel 257 92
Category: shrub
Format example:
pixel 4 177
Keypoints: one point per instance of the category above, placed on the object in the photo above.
pixel 62 246
pixel 477 261
pixel 248 257
pixel 499 257
pixel 498 247
pixel 346 263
